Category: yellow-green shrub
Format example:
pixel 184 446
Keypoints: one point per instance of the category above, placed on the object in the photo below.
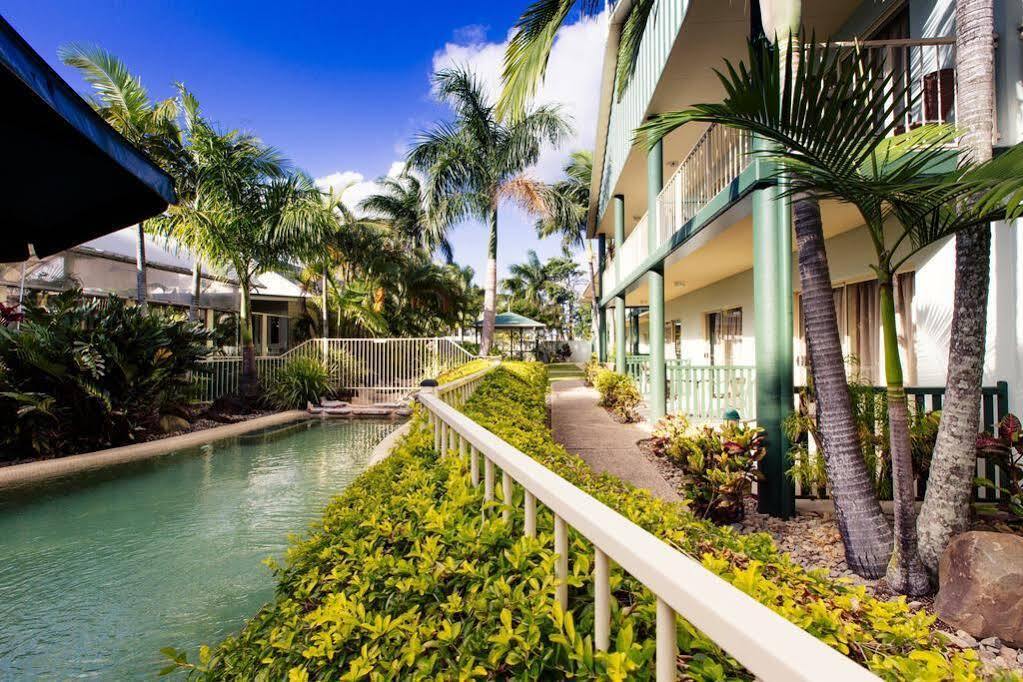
pixel 465 370
pixel 618 393
pixel 404 579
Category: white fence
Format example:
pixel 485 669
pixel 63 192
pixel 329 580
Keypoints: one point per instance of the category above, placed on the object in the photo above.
pixel 769 646
pixel 363 370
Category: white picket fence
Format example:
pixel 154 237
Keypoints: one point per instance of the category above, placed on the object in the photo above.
pixel 769 646
pixel 364 370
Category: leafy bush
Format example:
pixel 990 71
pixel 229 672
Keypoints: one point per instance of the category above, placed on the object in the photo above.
pixel 405 579
pixel 553 351
pixel 1005 448
pixel 301 381
pixel 465 370
pixel 86 373
pixel 618 393
pixel 592 369
pixel 719 464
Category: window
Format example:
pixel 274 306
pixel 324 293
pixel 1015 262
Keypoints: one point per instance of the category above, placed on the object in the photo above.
pixel 275 330
pixel 724 335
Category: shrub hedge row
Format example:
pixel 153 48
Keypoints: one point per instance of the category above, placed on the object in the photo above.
pixel 405 579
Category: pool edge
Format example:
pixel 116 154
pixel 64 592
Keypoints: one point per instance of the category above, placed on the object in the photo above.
pixel 30 472
pixel 383 449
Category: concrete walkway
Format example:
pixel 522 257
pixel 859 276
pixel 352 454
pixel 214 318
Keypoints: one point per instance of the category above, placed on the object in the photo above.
pixel 586 429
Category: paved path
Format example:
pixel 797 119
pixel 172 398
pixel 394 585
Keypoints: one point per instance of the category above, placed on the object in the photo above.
pixel 585 429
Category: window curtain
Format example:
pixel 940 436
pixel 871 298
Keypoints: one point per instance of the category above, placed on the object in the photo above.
pixel 905 289
pixel 864 326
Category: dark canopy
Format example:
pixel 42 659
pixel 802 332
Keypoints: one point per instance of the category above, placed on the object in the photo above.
pixel 70 177
pixel 509 320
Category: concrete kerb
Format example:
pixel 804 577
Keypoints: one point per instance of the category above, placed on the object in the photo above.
pixel 30 472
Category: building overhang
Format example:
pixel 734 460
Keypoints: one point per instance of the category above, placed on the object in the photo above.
pixel 71 177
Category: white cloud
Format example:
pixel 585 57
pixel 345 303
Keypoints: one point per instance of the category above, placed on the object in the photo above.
pixel 358 187
pixel 573 78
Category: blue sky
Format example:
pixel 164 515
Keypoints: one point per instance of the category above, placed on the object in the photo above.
pixel 340 88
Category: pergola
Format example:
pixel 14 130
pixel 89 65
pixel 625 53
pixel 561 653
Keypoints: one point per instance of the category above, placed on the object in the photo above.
pixel 71 177
pixel 510 322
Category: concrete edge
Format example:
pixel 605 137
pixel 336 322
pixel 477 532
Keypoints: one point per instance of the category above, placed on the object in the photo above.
pixel 30 472
pixel 383 449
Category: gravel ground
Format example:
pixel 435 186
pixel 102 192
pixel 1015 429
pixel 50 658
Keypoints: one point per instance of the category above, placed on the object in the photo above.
pixel 813 541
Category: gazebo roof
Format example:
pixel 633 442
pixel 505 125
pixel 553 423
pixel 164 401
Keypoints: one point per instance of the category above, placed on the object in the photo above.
pixel 71 177
pixel 509 320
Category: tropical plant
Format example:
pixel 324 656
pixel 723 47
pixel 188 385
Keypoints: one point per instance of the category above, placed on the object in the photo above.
pixel 945 511
pixel 812 108
pixel 250 214
pixel 618 393
pixel 719 464
pixel 475 162
pixel 123 102
pixel 83 374
pixel 301 381
pixel 401 205
pixel 1004 448
pixel 525 60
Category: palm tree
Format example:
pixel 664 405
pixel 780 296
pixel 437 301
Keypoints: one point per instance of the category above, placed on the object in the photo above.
pixel 251 214
pixel 474 162
pixel 946 506
pixel 124 103
pixel 525 60
pixel 564 208
pixel 828 149
pixel 534 278
pixel 401 204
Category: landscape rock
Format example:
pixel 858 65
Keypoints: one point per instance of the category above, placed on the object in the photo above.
pixel 171 423
pixel 981 587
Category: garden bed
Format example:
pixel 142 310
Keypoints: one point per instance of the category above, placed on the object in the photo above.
pixel 404 578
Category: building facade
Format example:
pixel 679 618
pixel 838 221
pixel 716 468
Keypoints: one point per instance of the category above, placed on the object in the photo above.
pixel 107 265
pixel 699 293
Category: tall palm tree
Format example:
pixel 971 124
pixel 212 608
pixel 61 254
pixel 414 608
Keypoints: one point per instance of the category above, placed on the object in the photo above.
pixel 401 204
pixel 534 277
pixel 529 50
pixel 123 102
pixel 946 506
pixel 564 208
pixel 475 162
pixel 828 149
pixel 251 215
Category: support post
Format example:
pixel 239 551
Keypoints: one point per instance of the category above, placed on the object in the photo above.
pixel 620 334
pixel 655 283
pixel 772 303
pixel 601 310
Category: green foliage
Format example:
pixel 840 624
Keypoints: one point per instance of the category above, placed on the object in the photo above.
pixel 465 370
pixel 404 579
pixel 84 374
pixel 1005 449
pixel 870 415
pixel 303 380
pixel 618 393
pixel 719 463
pixel 592 369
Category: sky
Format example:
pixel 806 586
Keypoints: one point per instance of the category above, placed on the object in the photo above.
pixel 340 88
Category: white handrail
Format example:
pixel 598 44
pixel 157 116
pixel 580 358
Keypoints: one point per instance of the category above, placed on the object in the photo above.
pixel 769 646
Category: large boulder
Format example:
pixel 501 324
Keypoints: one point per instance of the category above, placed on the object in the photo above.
pixel 981 585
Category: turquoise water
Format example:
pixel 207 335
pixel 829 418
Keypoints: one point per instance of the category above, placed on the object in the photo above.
pixel 100 571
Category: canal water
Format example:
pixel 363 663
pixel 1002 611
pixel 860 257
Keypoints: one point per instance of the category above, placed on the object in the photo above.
pixel 100 571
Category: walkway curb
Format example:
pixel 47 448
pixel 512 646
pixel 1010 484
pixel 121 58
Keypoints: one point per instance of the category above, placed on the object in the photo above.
pixel 383 449
pixel 30 472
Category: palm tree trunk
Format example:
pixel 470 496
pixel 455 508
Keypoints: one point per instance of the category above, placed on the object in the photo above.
pixel 249 380
pixel 906 573
pixel 865 532
pixel 593 279
pixel 325 332
pixel 193 305
pixel 946 507
pixel 490 289
pixel 140 264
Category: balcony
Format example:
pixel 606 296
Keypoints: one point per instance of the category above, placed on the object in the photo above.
pixel 924 66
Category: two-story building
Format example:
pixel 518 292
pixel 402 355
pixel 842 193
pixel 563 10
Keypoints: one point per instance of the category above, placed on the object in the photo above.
pixel 698 290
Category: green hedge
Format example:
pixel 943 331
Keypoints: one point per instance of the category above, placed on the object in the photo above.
pixel 403 579
pixel 465 370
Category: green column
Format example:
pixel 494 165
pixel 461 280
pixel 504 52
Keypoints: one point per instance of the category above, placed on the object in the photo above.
pixel 655 284
pixel 599 294
pixel 620 333
pixel 772 305
pixel 619 213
